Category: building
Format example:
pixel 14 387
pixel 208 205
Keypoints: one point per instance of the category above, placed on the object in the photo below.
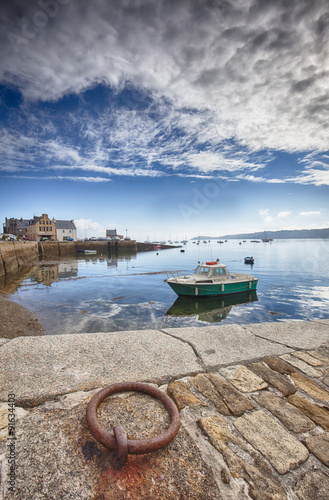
pixel 112 233
pixel 41 228
pixel 17 227
pixel 65 230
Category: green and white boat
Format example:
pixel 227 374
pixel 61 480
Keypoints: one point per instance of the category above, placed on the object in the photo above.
pixel 212 279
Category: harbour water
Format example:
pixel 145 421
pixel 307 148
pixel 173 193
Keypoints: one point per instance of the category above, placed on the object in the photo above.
pixel 127 292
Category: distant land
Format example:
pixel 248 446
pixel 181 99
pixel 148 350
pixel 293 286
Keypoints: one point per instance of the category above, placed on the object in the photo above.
pixel 283 234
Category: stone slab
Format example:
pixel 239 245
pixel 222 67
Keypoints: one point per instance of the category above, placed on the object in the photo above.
pixel 236 402
pixel 182 395
pixel 310 387
pixel 308 358
pixel 314 485
pixel 228 344
pixel 294 334
pixel 319 446
pixel 58 458
pixel 39 368
pixel 243 379
pixel 292 418
pixel 262 483
pixel 319 414
pixel 203 385
pixel 302 366
pixel 282 449
pixel 274 378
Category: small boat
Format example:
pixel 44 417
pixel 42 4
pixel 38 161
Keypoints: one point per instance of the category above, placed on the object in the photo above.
pixel 266 239
pixel 249 260
pixel 87 251
pixel 157 247
pixel 211 279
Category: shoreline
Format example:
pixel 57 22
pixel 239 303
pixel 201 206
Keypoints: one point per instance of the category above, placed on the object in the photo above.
pixel 17 321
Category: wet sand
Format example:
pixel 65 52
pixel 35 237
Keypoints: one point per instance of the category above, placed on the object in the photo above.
pixel 16 321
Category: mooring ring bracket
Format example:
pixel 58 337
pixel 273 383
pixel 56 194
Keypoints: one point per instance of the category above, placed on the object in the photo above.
pixel 117 442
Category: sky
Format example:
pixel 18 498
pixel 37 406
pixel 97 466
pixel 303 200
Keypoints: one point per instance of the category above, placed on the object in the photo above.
pixel 165 119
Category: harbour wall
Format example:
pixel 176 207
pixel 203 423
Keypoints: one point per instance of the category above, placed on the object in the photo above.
pixel 17 254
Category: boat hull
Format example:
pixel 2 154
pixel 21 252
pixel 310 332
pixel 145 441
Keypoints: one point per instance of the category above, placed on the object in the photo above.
pixel 211 290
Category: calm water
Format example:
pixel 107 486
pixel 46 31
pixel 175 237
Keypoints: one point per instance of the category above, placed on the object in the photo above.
pixel 128 292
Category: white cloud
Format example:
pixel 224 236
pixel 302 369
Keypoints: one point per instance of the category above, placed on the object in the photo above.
pixel 310 213
pixel 259 68
pixel 263 211
pixel 88 228
pixel 282 215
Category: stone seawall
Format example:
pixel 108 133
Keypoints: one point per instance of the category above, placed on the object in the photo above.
pixel 17 254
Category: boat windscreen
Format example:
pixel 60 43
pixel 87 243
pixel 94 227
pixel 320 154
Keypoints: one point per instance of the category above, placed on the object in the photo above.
pixel 202 270
pixel 219 271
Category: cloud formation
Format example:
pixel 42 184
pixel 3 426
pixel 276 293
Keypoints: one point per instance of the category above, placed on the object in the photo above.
pixel 260 66
pixel 212 85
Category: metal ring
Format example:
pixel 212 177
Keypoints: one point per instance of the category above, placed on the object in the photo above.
pixel 120 455
pixel 135 447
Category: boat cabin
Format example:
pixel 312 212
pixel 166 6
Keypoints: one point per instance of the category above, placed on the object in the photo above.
pixel 213 270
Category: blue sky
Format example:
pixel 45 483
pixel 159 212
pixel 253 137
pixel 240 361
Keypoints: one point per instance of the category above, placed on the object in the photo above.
pixel 165 118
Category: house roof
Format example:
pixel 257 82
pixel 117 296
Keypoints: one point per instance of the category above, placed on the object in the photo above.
pixel 22 223
pixel 64 224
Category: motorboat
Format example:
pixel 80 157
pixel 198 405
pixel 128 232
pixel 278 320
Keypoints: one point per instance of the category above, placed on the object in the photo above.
pixel 249 260
pixel 211 279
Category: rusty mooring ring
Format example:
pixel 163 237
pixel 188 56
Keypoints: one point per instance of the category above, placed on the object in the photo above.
pixel 134 447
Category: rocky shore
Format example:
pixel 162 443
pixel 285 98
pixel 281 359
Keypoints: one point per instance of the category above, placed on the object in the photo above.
pixel 253 402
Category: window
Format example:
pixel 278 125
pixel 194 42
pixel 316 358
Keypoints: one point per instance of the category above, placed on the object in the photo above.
pixel 42 228
pixel 219 272
pixel 202 270
pixel 42 222
pixel 49 228
pixel 48 222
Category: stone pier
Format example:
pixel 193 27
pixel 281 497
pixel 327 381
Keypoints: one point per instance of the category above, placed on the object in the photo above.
pixel 253 402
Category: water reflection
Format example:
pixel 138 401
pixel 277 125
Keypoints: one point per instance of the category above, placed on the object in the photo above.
pixel 209 309
pixel 50 273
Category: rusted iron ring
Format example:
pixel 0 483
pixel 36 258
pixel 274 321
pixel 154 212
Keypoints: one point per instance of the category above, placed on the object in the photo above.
pixel 120 455
pixel 134 447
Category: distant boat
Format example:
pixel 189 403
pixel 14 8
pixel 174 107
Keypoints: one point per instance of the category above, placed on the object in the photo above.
pixel 266 239
pixel 220 241
pixel 249 260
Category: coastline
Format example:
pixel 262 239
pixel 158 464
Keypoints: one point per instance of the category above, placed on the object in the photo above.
pixel 17 321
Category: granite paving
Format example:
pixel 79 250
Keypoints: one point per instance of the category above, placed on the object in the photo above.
pixel 254 423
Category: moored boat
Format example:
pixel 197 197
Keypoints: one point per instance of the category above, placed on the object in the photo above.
pixel 87 251
pixel 211 279
pixel 249 260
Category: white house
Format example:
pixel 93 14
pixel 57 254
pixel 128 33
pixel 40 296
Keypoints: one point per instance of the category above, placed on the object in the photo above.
pixel 65 230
